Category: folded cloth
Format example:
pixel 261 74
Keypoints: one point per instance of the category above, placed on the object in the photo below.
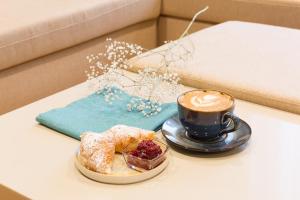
pixel 93 113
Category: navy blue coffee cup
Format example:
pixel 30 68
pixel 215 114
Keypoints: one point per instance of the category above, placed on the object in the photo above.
pixel 207 125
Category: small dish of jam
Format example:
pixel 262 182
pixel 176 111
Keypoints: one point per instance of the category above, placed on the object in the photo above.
pixel 148 155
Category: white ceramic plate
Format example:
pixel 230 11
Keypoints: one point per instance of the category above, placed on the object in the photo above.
pixel 121 174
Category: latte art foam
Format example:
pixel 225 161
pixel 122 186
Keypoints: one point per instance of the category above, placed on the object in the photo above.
pixel 206 100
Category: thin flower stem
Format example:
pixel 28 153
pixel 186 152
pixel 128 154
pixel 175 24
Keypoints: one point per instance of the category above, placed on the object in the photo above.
pixel 193 20
pixel 134 85
pixel 123 75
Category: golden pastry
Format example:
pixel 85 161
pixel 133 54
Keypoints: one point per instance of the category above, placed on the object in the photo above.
pixel 102 159
pixel 127 137
pixel 97 150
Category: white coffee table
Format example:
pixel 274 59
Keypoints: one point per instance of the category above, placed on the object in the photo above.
pixel 38 162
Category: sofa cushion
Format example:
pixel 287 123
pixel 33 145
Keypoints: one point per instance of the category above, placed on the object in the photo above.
pixel 254 62
pixel 274 12
pixel 30 29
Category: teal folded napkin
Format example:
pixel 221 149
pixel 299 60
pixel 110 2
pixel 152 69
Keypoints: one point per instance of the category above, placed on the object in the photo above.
pixel 93 113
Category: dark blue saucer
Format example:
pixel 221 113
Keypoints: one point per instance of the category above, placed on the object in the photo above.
pixel 175 134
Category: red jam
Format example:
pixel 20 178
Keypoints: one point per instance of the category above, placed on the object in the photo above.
pixel 147 149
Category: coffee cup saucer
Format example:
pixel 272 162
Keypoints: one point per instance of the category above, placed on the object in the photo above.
pixel 175 134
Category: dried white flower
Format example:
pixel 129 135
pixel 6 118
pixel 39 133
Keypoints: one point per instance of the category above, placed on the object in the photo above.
pixel 107 71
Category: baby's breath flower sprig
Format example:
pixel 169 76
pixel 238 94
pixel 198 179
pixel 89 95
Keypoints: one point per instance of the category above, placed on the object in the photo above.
pixel 111 94
pixel 146 107
pixel 107 71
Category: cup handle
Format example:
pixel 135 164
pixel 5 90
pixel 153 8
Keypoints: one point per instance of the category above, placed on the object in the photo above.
pixel 227 120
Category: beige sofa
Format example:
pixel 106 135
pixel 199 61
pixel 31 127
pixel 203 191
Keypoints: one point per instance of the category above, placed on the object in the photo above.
pixel 43 44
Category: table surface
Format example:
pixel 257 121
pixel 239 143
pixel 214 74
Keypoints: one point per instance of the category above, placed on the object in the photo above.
pixel 38 162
